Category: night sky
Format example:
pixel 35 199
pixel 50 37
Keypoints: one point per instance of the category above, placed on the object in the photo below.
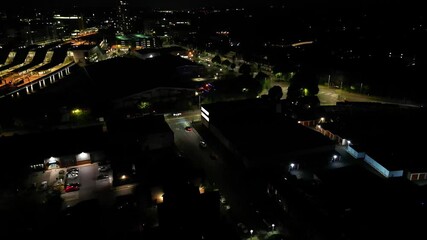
pixel 187 4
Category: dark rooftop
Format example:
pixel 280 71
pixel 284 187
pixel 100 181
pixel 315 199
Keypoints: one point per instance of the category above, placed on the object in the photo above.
pixel 141 125
pixel 32 148
pixel 125 76
pixel 353 193
pixel 387 133
pixel 257 131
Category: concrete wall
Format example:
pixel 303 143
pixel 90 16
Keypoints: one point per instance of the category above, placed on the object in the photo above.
pixel 377 166
pixel 353 152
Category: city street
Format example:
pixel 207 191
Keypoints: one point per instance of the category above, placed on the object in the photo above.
pixel 223 172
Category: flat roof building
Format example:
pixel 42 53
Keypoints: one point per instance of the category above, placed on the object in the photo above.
pixel 385 136
pixel 252 130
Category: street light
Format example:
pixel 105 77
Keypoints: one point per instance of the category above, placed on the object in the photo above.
pixel 334 158
pixel 272 226
pixel 348 144
pixel 251 231
pixel 198 95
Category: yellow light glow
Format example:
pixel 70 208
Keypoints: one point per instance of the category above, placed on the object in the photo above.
pixel 160 198
pixel 76 111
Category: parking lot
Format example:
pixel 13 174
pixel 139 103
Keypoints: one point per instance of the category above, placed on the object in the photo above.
pixel 76 183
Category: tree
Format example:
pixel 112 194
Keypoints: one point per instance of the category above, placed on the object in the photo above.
pixel 261 76
pixel 283 68
pixel 226 62
pixel 216 59
pixel 303 84
pixel 275 93
pixel 241 87
pixel 144 105
pixel 245 69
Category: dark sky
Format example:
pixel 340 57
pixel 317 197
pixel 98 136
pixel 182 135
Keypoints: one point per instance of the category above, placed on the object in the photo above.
pixel 179 4
pixel 173 4
pixel 186 4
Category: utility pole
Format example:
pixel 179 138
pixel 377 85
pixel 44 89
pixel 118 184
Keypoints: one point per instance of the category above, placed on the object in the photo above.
pixel 329 80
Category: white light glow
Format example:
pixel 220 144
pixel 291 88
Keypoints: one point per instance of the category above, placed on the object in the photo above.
pixel 83 156
pixel 52 160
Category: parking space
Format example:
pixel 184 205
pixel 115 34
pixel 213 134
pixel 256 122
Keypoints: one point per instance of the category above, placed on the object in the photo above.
pixel 86 182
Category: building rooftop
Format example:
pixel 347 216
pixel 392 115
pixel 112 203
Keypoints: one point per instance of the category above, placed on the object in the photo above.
pixel 141 125
pixel 32 148
pixel 387 133
pixel 352 193
pixel 121 77
pixel 257 131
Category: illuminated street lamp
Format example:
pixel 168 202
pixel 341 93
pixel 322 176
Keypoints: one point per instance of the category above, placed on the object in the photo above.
pixel 198 94
pixel 251 231
pixel 291 166
pixel 272 226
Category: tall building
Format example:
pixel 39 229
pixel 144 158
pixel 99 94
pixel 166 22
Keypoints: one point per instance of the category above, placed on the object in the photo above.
pixel 123 25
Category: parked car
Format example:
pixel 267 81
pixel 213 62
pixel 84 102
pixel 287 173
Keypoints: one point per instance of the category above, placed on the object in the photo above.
pixel 102 176
pixel 203 144
pixel 72 174
pixel 72 187
pixel 104 168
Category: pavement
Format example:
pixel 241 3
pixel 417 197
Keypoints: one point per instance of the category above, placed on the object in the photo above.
pixel 49 176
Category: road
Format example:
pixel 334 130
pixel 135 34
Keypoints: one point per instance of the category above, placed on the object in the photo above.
pixel 224 173
pixel 330 96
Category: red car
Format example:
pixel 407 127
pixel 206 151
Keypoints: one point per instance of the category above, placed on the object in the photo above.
pixel 72 187
pixel 188 129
